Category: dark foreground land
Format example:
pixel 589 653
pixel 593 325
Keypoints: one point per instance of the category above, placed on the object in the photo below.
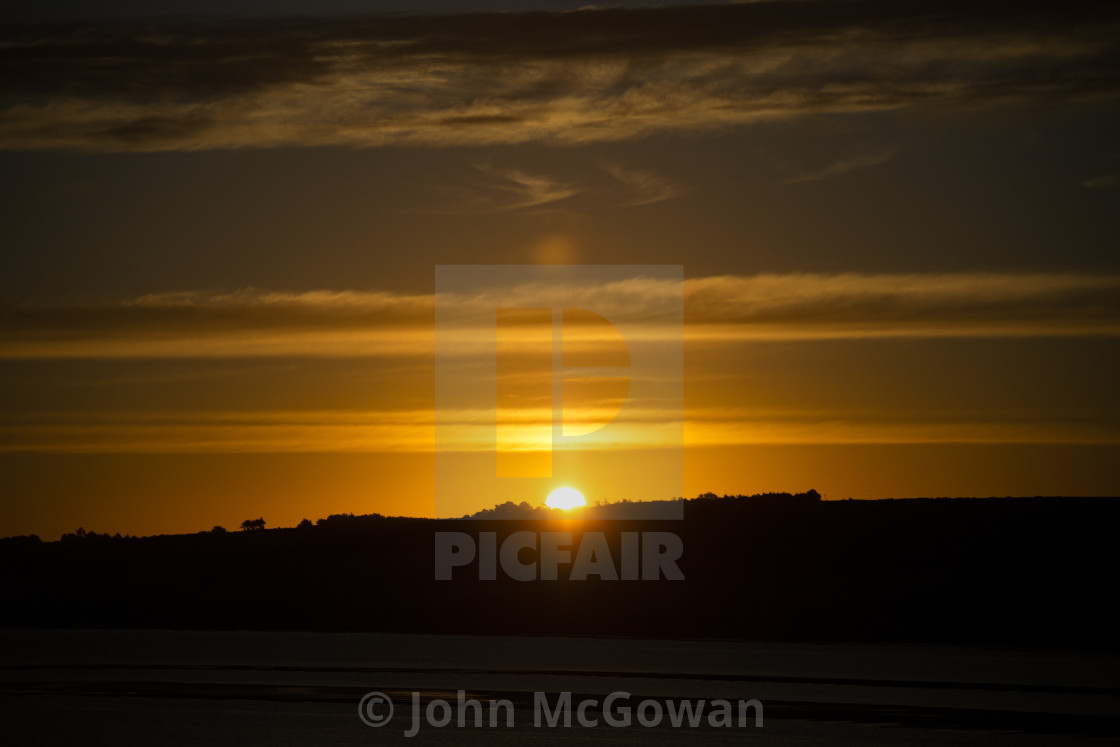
pixel 1008 572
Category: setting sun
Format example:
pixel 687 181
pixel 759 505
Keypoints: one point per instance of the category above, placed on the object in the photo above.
pixel 565 498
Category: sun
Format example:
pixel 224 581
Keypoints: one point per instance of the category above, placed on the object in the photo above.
pixel 565 498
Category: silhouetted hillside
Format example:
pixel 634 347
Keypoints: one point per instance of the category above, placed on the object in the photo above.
pixel 1038 572
pixel 628 509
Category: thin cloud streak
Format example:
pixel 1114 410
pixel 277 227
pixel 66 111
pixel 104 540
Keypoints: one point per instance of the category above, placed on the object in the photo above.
pixel 508 190
pixel 647 187
pixel 557 78
pixel 412 431
pixel 844 166
pixel 722 310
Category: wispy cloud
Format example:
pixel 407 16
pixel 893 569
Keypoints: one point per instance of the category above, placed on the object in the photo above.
pixel 646 186
pixel 411 431
pixel 577 77
pixel 219 432
pixel 853 305
pixel 718 311
pixel 844 166
pixel 508 190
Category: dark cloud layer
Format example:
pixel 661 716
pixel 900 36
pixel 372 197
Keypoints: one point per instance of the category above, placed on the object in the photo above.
pixel 499 78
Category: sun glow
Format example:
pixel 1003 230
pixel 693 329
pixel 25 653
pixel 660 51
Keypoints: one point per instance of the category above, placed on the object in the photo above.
pixel 565 498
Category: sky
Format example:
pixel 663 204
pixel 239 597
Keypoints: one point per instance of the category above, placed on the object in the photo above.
pixel 896 225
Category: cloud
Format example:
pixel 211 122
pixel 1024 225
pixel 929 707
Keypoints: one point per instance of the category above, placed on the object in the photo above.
pixel 558 78
pixel 844 166
pixel 412 430
pixel 206 324
pixel 1106 181
pixel 721 313
pixel 218 432
pixel 507 190
pixel 514 190
pixel 852 295
pixel 647 186
pixel 848 305
pixel 720 310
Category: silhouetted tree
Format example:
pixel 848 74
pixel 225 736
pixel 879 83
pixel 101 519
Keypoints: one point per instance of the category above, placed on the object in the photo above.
pixel 252 525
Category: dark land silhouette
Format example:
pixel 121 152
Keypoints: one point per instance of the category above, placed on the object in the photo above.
pixel 1032 572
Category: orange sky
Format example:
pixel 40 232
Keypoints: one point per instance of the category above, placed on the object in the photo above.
pixel 218 296
pixel 172 443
